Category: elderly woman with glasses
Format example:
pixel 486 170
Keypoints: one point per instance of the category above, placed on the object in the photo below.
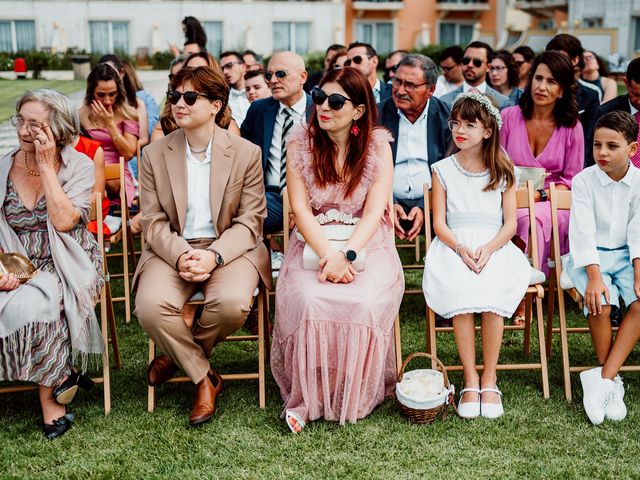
pixel 341 283
pixel 48 323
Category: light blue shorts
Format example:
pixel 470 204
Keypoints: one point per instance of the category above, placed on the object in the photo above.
pixel 617 274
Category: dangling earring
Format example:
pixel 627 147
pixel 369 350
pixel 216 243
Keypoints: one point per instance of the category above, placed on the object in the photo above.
pixel 355 130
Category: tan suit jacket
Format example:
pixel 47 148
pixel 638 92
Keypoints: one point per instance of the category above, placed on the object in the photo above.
pixel 237 200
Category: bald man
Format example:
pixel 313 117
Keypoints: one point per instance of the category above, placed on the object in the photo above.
pixel 270 120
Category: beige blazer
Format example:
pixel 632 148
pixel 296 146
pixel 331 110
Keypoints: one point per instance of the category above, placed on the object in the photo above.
pixel 237 200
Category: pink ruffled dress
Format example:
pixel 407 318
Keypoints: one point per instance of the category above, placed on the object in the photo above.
pixel 333 351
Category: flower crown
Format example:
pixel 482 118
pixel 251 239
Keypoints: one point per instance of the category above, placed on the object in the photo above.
pixel 485 102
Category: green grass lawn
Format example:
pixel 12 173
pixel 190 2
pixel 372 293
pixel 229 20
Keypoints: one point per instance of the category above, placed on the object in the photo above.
pixel 11 90
pixel 536 438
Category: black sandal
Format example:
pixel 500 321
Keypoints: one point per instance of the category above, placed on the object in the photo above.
pixel 66 391
pixel 58 427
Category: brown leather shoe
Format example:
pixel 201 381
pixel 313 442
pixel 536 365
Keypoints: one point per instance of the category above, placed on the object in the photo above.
pixel 204 405
pixel 161 370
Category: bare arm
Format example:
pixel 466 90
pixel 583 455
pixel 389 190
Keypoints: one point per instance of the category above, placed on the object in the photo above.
pixel 143 121
pixel 98 162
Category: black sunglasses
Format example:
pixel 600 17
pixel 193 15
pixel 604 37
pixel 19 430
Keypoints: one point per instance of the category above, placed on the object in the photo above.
pixel 357 60
pixel 277 73
pixel 476 61
pixel 189 97
pixel 336 101
pixel 393 69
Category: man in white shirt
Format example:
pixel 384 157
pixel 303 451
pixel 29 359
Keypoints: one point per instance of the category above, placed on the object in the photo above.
pixel 270 120
pixel 364 57
pixel 418 122
pixel 451 65
pixel 475 64
pixel 233 68
pixel 604 263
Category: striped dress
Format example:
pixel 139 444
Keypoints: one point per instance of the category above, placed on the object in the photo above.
pixel 45 355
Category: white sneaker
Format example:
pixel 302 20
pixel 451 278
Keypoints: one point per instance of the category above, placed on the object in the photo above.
pixel 616 409
pixel 492 410
pixel 596 394
pixel 469 409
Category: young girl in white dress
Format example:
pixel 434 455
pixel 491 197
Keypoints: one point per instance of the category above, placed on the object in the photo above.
pixel 472 266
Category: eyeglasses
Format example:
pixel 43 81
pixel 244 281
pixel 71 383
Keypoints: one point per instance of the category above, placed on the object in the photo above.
pixel 278 73
pixel 448 69
pixel 336 101
pixel 468 126
pixel 476 61
pixel 497 68
pixel 408 86
pixel 357 60
pixel 189 97
pixel 228 66
pixel 32 126
pixel 393 68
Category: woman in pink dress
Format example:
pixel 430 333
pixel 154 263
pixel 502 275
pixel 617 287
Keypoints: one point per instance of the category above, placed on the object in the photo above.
pixel 333 349
pixel 107 118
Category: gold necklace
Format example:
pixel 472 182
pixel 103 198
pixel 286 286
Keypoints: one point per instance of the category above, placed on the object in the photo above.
pixel 26 165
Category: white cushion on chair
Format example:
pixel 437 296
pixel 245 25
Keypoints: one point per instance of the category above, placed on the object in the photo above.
pixel 565 280
pixel 537 277
pixel 114 223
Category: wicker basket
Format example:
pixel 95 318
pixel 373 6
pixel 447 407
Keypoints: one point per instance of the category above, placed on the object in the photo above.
pixel 427 415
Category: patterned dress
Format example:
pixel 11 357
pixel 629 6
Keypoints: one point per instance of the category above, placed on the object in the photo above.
pixel 45 352
pixel 333 352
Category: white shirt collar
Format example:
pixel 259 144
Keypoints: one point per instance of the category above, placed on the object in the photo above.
pixel 376 86
pixel 606 179
pixel 299 107
pixel 237 93
pixel 421 117
pixel 632 109
pixel 191 158
pixel 482 87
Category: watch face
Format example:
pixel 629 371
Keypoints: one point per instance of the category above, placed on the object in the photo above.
pixel 351 255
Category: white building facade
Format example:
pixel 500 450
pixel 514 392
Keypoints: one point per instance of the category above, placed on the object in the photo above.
pixel 115 25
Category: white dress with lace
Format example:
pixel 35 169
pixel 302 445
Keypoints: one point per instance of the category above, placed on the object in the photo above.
pixel 475 217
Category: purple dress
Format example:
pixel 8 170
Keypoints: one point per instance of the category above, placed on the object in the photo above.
pixel 333 350
pixel 562 158
pixel 111 153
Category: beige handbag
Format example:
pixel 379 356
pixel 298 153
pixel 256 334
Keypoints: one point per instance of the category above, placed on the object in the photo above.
pixel 17 264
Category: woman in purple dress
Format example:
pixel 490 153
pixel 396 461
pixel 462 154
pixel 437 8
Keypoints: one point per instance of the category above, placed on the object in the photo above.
pixel 333 349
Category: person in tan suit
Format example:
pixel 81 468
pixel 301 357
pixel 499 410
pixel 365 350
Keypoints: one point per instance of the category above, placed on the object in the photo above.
pixel 203 205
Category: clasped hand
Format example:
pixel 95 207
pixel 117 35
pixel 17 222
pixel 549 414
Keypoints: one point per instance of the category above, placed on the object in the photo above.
pixel 196 265
pixel 335 268
pixel 415 217
pixel 477 260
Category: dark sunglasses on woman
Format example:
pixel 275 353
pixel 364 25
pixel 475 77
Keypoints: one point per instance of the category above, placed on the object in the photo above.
pixel 336 101
pixel 357 60
pixel 189 97
pixel 278 73
pixel 476 61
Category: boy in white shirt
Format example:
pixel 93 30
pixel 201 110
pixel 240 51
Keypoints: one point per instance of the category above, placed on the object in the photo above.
pixel 604 264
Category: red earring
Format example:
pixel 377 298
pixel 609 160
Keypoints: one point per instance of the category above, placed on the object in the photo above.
pixel 355 130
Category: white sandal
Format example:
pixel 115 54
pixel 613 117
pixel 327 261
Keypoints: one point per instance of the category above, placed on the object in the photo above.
pixel 469 409
pixel 290 415
pixel 491 410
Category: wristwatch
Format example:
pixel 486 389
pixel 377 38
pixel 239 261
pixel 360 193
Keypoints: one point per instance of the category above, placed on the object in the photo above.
pixel 219 259
pixel 543 195
pixel 350 255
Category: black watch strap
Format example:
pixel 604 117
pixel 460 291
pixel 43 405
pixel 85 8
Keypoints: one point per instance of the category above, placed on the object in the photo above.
pixel 543 195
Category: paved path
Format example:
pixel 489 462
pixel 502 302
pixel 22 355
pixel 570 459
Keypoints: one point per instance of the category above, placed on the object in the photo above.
pixel 154 81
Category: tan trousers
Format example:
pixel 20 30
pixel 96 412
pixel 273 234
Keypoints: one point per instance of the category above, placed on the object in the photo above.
pixel 162 293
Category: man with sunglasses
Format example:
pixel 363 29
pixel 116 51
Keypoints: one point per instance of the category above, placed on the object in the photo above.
pixel 270 120
pixel 314 78
pixel 450 63
pixel 233 69
pixel 364 57
pixel 391 63
pixel 418 122
pixel 475 64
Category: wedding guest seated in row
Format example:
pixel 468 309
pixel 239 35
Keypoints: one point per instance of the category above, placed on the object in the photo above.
pixel 337 59
pixel 252 60
pixel 49 331
pixel 107 117
pixel 523 57
pixel 364 57
pixel 472 266
pixel 418 122
pixel 313 78
pixel 595 71
pixel 269 122
pixel 450 63
pixel 233 69
pixel 256 86
pixel 475 65
pixel 544 133
pixel 503 76
pixel 391 64
pixel 203 206
pixel 604 264
pixel 333 343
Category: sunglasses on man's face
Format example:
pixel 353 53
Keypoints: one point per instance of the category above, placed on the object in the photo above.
pixel 393 69
pixel 278 73
pixel 336 101
pixel 476 61
pixel 189 97
pixel 357 60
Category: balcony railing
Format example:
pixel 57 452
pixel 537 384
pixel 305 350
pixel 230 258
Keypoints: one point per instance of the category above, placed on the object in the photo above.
pixel 462 5
pixel 378 5
pixel 539 5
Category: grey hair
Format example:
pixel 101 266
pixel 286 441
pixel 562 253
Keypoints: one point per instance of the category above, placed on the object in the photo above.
pixel 63 118
pixel 179 60
pixel 424 63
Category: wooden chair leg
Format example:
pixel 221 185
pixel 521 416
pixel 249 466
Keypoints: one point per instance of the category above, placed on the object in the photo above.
pixel 111 318
pixel 433 349
pixel 127 292
pixel 398 343
pixel 564 345
pixel 527 323
pixel 543 353
pixel 551 310
pixel 261 349
pixel 417 251
pixel 151 391
pixel 106 375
